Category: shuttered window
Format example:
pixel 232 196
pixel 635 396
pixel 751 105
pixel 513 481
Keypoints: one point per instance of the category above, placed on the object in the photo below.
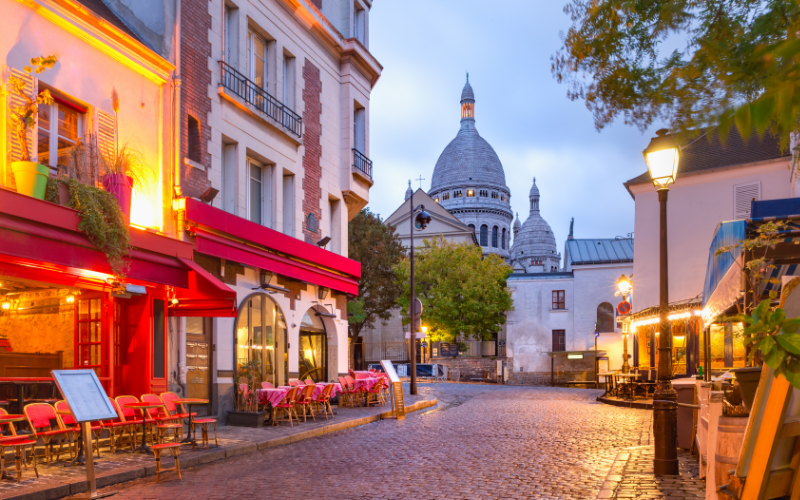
pixel 743 196
pixel 14 145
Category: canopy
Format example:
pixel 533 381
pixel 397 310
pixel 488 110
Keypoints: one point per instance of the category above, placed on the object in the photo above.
pixel 206 296
pixel 727 234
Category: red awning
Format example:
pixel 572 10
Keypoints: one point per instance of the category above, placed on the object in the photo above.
pixel 206 296
pixel 225 248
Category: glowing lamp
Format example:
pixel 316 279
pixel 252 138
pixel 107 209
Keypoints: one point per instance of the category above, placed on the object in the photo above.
pixel 6 305
pixel 308 354
pixel 425 330
pixel 624 284
pixel 70 298
pixel 662 156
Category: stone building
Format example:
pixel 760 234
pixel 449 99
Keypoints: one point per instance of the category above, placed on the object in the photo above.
pixel 469 181
pixel 534 249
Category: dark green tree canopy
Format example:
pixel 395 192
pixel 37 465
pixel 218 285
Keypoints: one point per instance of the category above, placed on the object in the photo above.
pixel 738 64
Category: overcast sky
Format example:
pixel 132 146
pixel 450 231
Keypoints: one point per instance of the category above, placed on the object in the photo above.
pixel 427 46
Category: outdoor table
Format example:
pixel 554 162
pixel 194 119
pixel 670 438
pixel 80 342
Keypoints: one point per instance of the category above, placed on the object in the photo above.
pixel 190 438
pixel 271 396
pixel 630 377
pixel 6 419
pixel 143 407
pixel 21 382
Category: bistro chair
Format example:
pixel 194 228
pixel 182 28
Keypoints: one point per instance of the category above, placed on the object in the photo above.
pixel 295 383
pixel 18 443
pixel 117 427
pixel 158 417
pixel 356 392
pixel 204 423
pixel 349 394
pixel 169 401
pixel 129 414
pixel 267 385
pixel 305 400
pixel 287 406
pixel 172 447
pixel 309 381
pixel 324 400
pixel 68 421
pixel 377 392
pixel 39 416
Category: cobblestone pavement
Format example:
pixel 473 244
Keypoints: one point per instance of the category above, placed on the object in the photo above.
pixel 482 441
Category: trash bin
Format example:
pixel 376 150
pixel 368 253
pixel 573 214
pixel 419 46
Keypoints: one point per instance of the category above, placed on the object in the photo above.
pixel 685 389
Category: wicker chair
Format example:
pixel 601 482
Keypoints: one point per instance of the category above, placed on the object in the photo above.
pixel 324 400
pixel 118 426
pixel 287 406
pixel 305 400
pixel 39 416
pixel 68 420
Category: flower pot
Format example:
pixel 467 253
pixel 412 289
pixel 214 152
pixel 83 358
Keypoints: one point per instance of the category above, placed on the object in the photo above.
pixel 748 379
pixel 31 178
pixel 63 194
pixel 121 186
pixel 247 418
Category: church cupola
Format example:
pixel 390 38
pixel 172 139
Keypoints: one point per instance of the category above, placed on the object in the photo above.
pixel 534 196
pixel 467 102
pixel 409 192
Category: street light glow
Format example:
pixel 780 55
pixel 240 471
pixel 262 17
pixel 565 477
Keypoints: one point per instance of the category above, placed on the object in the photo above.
pixel 624 284
pixel 662 156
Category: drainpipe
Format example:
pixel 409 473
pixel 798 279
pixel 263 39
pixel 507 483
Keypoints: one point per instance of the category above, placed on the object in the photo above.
pixel 179 206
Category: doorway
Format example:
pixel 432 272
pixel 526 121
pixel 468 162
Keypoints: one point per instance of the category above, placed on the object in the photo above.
pixel 313 348
pixel 198 358
pixel 261 343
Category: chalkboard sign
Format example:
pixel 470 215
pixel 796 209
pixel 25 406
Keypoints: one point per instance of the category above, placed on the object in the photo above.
pixel 449 349
pixel 85 395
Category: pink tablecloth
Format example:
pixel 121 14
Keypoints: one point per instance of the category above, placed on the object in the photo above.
pixel 366 384
pixel 337 389
pixel 271 396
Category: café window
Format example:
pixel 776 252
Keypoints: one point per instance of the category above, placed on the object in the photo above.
pixel 559 299
pixel 58 127
pixel 261 343
pixel 725 344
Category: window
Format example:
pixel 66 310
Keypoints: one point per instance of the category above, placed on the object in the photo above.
pixel 257 52
pixel 335 226
pixel 229 168
pixel 159 321
pixel 559 340
pixel 503 198
pixel 288 80
pixel 494 237
pixel 472 226
pixel 494 195
pixel 536 262
pixel 457 194
pixel 467 110
pixel 230 34
pixel 558 299
pixel 503 240
pixel 605 318
pixel 260 336
pixel 258 193
pixel 445 196
pixel 359 24
pixel 58 131
pixel 358 129
pixel 311 223
pixel 743 196
pixel 193 151
pixel 484 193
pixel 484 235
pixel 288 204
pixel 470 193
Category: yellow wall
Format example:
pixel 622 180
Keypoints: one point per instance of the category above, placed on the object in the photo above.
pixel 44 330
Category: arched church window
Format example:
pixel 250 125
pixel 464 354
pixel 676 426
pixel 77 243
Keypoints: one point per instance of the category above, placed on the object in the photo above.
pixel 494 237
pixel 503 240
pixel 605 318
pixel 445 196
pixel 484 235
pixel 457 194
pixel 470 193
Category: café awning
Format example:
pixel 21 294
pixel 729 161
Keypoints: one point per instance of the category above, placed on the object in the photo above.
pixel 206 296
pixel 722 287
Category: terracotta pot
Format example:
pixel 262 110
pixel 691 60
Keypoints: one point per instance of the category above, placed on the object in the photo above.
pixel 748 379
pixel 121 186
pixel 31 178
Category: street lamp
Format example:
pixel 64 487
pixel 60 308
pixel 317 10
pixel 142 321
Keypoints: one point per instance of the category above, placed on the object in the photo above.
pixel 418 223
pixel 662 156
pixel 624 285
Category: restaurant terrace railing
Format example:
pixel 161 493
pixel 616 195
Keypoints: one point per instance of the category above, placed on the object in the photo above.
pixel 362 163
pixel 260 99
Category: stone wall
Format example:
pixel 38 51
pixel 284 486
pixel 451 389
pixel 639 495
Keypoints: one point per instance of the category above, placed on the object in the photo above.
pixel 470 367
pixel 44 323
pixel 564 370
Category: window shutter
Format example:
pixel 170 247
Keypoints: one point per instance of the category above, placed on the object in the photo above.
pixel 106 134
pixel 14 146
pixel 743 195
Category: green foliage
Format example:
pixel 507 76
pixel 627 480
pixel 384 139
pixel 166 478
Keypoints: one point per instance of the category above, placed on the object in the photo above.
pixel 128 161
pixel 770 332
pixel 376 246
pixel 102 222
pixel 461 291
pixel 23 118
pixel 738 65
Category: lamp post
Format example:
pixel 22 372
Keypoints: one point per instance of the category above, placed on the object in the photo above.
pixel 624 285
pixel 662 156
pixel 418 223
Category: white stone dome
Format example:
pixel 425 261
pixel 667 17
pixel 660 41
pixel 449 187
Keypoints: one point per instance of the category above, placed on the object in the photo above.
pixel 534 245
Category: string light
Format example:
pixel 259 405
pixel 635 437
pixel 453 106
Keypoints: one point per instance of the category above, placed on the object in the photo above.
pixel 672 317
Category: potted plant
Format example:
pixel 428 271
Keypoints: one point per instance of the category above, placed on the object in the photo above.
pixel 121 173
pixel 29 176
pixel 248 381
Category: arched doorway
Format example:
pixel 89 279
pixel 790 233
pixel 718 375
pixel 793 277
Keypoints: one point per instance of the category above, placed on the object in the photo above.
pixel 261 341
pixel 313 348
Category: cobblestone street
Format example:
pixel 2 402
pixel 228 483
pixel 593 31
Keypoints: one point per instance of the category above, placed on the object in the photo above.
pixel 481 441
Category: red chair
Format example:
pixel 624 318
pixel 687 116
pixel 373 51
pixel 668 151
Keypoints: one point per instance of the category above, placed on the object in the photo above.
pixel 129 414
pixel 117 427
pixel 204 423
pixel 18 443
pixel 377 392
pixel 287 406
pixel 68 421
pixel 348 392
pixel 39 416
pixel 169 401
pixel 295 383
pixel 324 399
pixel 305 400
pixel 351 383
pixel 175 448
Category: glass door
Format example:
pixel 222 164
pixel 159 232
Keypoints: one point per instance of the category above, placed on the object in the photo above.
pixel 261 348
pixel 313 348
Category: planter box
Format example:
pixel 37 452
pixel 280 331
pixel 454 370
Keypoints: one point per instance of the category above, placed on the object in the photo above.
pixel 247 418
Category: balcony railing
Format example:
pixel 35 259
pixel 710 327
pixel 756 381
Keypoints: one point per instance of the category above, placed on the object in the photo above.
pixel 260 99
pixel 362 163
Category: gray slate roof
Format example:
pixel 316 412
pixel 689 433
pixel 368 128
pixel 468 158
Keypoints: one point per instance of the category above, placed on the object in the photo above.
pixel 599 251
pixel 707 152
pixel 467 92
pixel 101 9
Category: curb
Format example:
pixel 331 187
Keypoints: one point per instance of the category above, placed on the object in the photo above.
pixel 54 491
pixel 625 404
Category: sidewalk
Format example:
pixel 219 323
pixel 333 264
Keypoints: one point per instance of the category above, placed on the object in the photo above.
pixel 631 476
pixel 57 481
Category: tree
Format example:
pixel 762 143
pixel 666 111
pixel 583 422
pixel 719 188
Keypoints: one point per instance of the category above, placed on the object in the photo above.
pixel 461 291
pixel 739 64
pixel 376 246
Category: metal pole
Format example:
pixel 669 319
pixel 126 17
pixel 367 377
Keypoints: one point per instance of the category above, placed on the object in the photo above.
pixel 412 340
pixel 665 413
pixel 626 367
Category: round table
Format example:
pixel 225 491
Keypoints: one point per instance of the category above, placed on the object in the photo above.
pixel 190 438
pixel 142 407
pixel 7 419
pixel 630 389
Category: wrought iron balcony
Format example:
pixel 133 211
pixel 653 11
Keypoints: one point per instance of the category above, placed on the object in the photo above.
pixel 260 99
pixel 362 163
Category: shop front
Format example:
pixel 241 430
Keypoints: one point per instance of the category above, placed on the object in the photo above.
pixel 63 308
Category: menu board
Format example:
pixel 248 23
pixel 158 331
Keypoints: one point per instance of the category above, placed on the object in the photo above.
pixel 85 395
pixel 397 389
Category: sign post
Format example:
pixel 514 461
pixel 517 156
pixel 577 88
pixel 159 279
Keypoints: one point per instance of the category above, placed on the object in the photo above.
pixel 88 402
pixel 398 406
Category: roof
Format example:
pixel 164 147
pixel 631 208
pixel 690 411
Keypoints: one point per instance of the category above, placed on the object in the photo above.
pixel 599 251
pixel 467 93
pixel 544 275
pixel 707 153
pixel 101 9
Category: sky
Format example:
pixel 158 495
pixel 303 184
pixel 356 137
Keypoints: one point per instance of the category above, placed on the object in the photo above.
pixel 427 46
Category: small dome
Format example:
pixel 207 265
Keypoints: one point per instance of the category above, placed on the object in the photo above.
pixel 467 92
pixel 534 239
pixel 534 189
pixel 517 223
